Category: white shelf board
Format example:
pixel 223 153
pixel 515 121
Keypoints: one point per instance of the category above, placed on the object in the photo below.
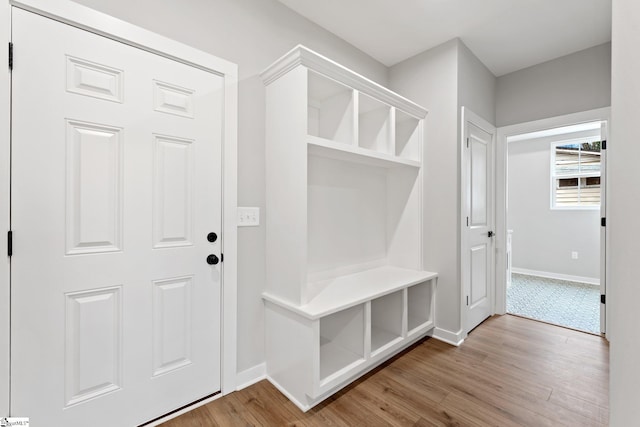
pixel 334 359
pixel 339 151
pixel 381 338
pixel 420 327
pixel 353 289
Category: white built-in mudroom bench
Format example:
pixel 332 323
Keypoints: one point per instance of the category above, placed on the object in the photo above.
pixel 345 285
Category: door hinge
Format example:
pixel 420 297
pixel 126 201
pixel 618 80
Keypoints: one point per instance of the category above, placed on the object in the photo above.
pixel 603 144
pixel 467 142
pixel 603 299
pixel 603 222
pixel 467 299
pixel 221 257
pixel 10 243
pixel 467 221
pixel 10 56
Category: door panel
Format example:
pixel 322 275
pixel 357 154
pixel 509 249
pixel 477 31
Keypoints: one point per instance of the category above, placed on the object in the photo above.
pixel 116 183
pixel 478 276
pixel 478 247
pixel 478 158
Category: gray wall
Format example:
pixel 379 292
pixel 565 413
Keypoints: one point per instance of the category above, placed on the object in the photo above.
pixel 430 79
pixel 476 85
pixel 573 83
pixel 623 225
pixel 253 34
pixel 443 80
pixel 544 238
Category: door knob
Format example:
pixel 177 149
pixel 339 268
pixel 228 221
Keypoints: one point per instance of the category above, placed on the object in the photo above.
pixel 212 259
pixel 490 234
pixel 212 237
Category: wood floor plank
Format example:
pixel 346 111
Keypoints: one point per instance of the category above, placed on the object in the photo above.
pixel 510 371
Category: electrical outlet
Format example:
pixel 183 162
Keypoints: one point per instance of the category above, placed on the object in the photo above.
pixel 248 217
pixel 574 255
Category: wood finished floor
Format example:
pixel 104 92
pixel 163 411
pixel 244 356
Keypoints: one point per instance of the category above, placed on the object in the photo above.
pixel 509 372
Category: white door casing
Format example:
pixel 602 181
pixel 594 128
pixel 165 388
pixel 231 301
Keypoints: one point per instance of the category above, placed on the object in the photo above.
pixel 506 132
pixel 117 182
pixel 477 241
pixel 603 228
pixel 5 127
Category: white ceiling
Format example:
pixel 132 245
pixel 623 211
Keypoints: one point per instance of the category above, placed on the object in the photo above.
pixel 507 35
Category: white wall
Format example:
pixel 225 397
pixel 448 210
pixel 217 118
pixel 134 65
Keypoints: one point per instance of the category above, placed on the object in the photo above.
pixel 253 34
pixel 430 79
pixel 622 217
pixel 544 238
pixel 577 82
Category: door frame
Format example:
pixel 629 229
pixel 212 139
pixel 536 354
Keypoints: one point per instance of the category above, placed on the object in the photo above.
pixel 85 18
pixel 602 114
pixel 469 116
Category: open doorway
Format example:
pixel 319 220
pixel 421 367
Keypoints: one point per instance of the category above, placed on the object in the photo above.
pixel 554 239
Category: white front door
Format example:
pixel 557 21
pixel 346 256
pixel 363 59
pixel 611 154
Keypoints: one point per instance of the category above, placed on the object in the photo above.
pixel 116 187
pixel 478 228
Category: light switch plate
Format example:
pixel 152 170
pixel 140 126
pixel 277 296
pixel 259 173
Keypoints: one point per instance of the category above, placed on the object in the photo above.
pixel 248 217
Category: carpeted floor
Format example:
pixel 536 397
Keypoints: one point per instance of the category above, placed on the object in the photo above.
pixel 576 305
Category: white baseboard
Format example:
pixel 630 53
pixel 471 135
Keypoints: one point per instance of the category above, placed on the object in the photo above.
pixel 251 376
pixel 300 405
pixel 453 338
pixel 558 276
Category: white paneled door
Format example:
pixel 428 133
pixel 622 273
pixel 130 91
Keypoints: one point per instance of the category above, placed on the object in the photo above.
pixel 116 194
pixel 478 231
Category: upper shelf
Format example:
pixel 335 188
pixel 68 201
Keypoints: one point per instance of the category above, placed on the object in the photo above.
pixel 353 289
pixel 335 150
pixel 301 55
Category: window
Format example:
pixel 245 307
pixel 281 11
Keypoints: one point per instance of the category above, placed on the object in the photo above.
pixel 575 174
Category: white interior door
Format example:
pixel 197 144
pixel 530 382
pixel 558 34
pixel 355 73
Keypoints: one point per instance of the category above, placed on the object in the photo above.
pixel 116 185
pixel 478 228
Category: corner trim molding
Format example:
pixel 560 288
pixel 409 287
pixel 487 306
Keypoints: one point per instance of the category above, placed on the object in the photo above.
pixel 301 55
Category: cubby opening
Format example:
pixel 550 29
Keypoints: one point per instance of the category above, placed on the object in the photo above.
pixel 360 217
pixel 419 305
pixel 407 142
pixel 386 320
pixel 341 340
pixel 330 112
pixel 374 125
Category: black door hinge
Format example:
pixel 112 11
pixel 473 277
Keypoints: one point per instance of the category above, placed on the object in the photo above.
pixel 603 222
pixel 603 144
pixel 10 243
pixel 10 56
pixel 467 299
pixel 221 257
pixel 467 142
pixel 603 299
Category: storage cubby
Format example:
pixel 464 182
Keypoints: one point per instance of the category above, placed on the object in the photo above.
pixel 330 111
pixel 374 125
pixel 346 211
pixel 386 320
pixel 419 305
pixel 407 137
pixel 341 340
pixel 344 230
